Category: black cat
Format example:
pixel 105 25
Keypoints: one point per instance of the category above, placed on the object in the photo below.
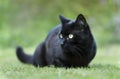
pixel 69 44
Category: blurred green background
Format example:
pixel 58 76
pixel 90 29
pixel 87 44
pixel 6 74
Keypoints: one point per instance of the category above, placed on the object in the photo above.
pixel 27 22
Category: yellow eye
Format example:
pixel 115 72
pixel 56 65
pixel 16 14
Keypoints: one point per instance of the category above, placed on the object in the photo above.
pixel 70 36
pixel 61 36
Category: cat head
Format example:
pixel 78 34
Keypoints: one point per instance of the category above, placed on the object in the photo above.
pixel 73 31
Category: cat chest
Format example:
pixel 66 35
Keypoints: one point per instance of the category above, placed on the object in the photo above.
pixel 70 62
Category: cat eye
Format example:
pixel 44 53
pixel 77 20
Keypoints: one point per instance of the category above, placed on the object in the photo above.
pixel 70 36
pixel 61 36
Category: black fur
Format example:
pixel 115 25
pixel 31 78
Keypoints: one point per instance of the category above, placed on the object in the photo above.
pixel 69 44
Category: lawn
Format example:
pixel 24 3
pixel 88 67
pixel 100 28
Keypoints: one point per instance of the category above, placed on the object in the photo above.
pixel 106 65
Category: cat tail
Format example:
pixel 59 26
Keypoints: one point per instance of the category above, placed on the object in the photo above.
pixel 24 58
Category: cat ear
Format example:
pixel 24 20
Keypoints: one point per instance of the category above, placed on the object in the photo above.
pixel 63 19
pixel 80 20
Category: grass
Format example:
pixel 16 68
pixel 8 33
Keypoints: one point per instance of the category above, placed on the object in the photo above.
pixel 105 65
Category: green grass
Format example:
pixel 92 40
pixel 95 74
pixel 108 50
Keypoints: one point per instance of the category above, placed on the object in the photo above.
pixel 106 65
